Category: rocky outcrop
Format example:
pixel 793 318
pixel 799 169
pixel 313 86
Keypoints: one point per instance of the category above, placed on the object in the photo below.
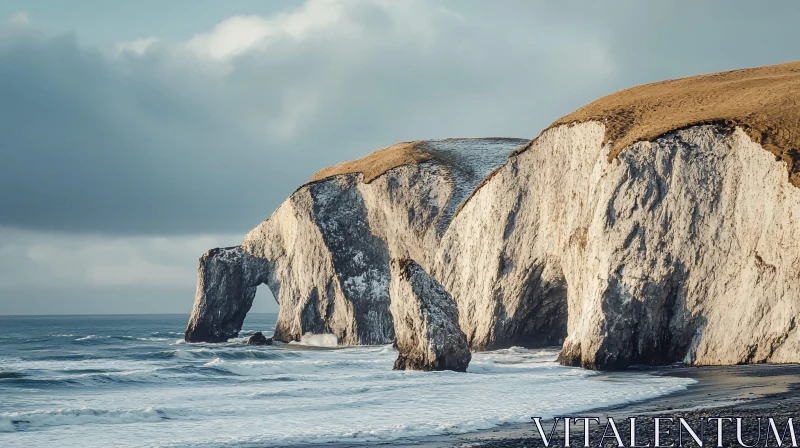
pixel 682 248
pixel 258 338
pixel 325 251
pixel 226 285
pixel 426 329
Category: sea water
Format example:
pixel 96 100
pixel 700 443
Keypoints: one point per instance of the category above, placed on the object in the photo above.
pixel 131 381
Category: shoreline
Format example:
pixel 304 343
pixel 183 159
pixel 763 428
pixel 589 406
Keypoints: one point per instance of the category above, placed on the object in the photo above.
pixel 748 391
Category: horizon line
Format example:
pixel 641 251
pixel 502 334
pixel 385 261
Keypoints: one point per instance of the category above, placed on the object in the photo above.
pixel 111 314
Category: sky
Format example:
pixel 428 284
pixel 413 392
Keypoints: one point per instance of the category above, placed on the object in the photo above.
pixel 134 136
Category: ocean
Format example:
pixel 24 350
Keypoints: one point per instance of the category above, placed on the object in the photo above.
pixel 131 381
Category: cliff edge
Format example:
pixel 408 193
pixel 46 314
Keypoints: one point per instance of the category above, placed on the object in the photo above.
pixel 655 225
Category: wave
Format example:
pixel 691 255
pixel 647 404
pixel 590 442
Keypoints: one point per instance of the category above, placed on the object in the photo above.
pixel 92 336
pixel 254 354
pixel 167 333
pixel 37 383
pixel 73 357
pixel 157 355
pixel 201 370
pixel 204 394
pixel 318 340
pixel 313 392
pixel 237 352
pixel 82 377
pixel 105 337
pixel 6 374
pixel 25 421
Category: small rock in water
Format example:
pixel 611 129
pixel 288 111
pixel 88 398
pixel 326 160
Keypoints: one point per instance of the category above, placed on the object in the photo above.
pixel 258 339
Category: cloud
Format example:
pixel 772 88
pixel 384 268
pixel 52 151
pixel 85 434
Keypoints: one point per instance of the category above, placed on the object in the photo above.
pixel 120 166
pixel 45 273
pixel 20 18
pixel 139 46
pixel 211 134
pixel 239 34
pixel 58 261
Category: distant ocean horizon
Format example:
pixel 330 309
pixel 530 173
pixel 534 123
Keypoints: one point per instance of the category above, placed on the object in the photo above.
pixel 131 381
pixel 186 315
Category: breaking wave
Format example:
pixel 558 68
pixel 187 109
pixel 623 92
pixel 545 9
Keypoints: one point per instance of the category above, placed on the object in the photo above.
pixel 319 340
pixel 22 421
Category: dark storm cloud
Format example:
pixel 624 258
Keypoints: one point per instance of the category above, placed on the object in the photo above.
pixel 211 135
pixel 170 141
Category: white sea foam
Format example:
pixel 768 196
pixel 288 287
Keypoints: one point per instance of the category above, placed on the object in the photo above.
pixel 317 396
pixel 319 340
pixel 13 421
pixel 92 336
pixel 154 392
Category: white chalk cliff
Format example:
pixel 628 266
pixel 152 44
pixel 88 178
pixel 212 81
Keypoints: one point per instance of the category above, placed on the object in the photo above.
pixel 683 248
pixel 324 253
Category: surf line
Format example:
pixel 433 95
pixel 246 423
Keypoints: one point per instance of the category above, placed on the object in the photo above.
pixel 693 431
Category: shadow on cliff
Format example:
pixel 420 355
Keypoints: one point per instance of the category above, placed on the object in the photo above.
pixel 540 317
pixel 653 327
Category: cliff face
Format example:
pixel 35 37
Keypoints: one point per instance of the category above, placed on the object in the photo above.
pixel 682 248
pixel 325 251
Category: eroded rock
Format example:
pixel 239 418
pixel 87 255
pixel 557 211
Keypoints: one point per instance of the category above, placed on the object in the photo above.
pixel 330 242
pixel 425 321
pixel 226 285
pixel 258 338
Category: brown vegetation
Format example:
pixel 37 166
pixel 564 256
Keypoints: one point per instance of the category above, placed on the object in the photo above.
pixel 378 162
pixel 763 101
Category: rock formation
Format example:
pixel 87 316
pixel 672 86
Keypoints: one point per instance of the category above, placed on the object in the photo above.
pixel 258 338
pixel 426 329
pixel 649 227
pixel 324 253
pixel 226 285
pixel 681 251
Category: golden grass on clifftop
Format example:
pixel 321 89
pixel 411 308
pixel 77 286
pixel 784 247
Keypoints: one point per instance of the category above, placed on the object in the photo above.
pixel 378 162
pixel 763 101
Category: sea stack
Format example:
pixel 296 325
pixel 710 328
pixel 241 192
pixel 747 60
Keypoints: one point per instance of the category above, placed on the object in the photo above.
pixel 226 285
pixel 425 321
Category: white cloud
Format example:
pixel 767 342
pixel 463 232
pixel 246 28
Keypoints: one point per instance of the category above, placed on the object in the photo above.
pixel 209 135
pixel 139 46
pixel 20 18
pixel 101 151
pixel 238 34
pixel 68 261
